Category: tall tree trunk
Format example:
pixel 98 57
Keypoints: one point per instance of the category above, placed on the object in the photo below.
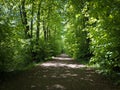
pixel 38 22
pixel 32 14
pixel 24 18
pixel 47 29
pixel 47 26
pixel 31 42
pixel 49 32
pixel 44 30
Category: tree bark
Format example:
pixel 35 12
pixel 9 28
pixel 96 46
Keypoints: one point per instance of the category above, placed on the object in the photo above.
pixel 38 23
pixel 32 14
pixel 24 18
pixel 45 31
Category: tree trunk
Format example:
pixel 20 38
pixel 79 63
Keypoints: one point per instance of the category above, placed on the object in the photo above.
pixel 32 14
pixel 24 18
pixel 44 30
pixel 38 23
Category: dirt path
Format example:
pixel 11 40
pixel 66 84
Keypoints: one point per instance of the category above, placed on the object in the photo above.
pixel 62 73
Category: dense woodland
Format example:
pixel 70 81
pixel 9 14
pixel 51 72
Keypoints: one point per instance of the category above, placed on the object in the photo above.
pixel 32 31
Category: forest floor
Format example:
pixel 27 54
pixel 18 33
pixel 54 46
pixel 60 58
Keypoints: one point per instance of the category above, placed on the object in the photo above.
pixel 61 73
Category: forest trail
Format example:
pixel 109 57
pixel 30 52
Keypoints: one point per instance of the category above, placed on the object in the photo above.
pixel 61 73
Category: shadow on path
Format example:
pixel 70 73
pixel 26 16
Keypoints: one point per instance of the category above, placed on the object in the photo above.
pixel 62 73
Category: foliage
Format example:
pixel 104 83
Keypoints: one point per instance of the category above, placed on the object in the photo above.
pixel 93 31
pixel 34 30
pixel 28 32
pixel 105 35
pixel 78 44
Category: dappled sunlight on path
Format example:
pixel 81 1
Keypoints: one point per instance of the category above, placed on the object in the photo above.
pixel 62 57
pixel 61 73
pixel 62 61
pixel 62 65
